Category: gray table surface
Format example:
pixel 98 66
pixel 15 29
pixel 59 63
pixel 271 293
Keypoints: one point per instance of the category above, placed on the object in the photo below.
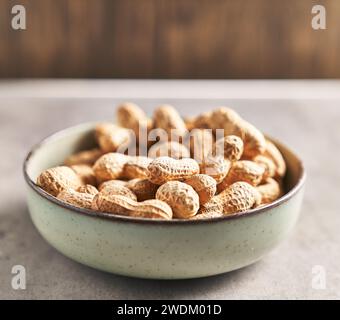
pixel 309 126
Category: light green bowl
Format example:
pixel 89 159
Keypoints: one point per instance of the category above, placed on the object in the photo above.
pixel 158 249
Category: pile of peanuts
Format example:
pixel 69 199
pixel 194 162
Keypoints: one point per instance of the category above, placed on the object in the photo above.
pixel 192 174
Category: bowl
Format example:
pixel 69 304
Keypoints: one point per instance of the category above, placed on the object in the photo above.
pixel 157 249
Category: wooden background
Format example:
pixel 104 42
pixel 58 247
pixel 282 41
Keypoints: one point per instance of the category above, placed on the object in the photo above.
pixel 170 39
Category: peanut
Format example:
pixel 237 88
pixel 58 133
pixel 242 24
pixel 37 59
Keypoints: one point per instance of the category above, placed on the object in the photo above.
pixel 243 170
pixel 143 189
pixel 110 137
pixel 84 157
pixel 154 209
pixel 267 164
pixel 110 166
pixel 167 118
pixel 136 167
pixel 87 188
pixel 171 149
pixel 57 179
pixel 200 141
pixel 273 153
pixel 211 209
pixel 231 147
pixel 182 198
pixel 105 184
pixel 270 190
pixel 78 199
pixel 239 197
pixel 216 167
pixel 165 169
pixel 204 185
pixel 232 124
pixel 130 116
pixel 114 189
pixel 85 173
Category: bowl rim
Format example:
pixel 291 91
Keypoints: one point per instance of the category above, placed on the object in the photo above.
pixel 119 218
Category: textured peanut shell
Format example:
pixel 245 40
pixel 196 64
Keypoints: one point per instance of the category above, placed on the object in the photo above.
pixel 110 137
pixel 136 167
pixel 131 116
pixel 267 164
pixel 239 197
pixel 243 170
pixel 165 169
pixel 87 188
pixel 114 189
pixel 112 182
pixel 216 167
pixel 231 147
pixel 172 149
pixel 201 141
pixel 85 173
pixel 232 124
pixel 57 179
pixel 88 157
pixel 182 198
pixel 167 118
pixel 154 209
pixel 204 185
pixel 110 166
pixel 143 189
pixel 212 209
pixel 78 199
pixel 270 190
pixel 273 153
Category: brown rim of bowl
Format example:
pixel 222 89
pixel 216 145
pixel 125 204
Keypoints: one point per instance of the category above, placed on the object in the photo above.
pixel 118 218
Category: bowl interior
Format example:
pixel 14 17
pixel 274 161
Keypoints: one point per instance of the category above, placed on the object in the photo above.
pixel 53 150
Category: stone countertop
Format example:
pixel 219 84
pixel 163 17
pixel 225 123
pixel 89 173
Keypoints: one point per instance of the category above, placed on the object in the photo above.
pixel 307 119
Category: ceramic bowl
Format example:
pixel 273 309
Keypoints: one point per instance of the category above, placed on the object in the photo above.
pixel 157 249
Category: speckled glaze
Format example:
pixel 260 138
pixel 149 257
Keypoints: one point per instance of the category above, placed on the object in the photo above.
pixel 149 248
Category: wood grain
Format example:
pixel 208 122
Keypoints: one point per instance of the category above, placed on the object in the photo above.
pixel 170 39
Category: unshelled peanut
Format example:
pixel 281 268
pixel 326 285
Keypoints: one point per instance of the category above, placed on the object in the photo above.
pixel 131 116
pixel 57 179
pixel 239 197
pixel 110 137
pixel 204 185
pixel 167 118
pixel 165 169
pixel 153 209
pixel 78 199
pixel 144 189
pixel 181 197
pixel 270 190
pixel 136 167
pixel 110 166
pixel 216 167
pixel 243 170
pixel 231 147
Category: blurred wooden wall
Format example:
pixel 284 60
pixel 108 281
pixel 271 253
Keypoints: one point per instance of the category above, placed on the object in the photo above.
pixel 170 39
